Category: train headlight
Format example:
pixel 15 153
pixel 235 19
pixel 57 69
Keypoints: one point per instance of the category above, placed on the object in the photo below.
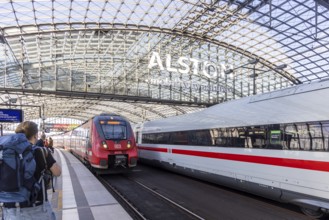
pixel 128 144
pixel 104 145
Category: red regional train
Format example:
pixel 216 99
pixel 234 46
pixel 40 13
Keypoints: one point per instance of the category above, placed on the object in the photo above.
pixel 105 142
pixel 275 145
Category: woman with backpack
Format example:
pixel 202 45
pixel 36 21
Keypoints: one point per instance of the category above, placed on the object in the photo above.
pixel 38 207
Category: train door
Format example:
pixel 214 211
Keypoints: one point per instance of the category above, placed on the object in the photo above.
pixel 87 143
pixel 138 136
pixel 138 132
pixel 89 140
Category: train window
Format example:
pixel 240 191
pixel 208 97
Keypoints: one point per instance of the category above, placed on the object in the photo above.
pixel 149 138
pixel 241 140
pixel 304 137
pixel 325 130
pixel 114 131
pixel 312 136
pixel 228 137
pixel 202 138
pixel 257 137
pixel 145 138
pixel 292 131
pixel 179 138
pixel 275 139
pixel 220 139
pixel 315 134
pixel 162 138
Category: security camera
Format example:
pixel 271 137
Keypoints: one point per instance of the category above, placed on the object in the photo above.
pixel 13 100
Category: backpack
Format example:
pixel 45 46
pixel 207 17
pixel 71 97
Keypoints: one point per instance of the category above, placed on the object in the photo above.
pixel 17 167
pixel 46 174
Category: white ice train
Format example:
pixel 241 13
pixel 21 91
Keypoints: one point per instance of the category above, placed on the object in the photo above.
pixel 275 145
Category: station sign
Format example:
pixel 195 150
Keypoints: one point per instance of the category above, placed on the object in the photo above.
pixel 191 66
pixel 11 115
pixel 187 65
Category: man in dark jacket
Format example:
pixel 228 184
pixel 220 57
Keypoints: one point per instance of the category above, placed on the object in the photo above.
pixel 41 141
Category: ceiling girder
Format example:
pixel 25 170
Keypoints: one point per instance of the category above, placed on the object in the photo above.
pixel 100 96
pixel 132 27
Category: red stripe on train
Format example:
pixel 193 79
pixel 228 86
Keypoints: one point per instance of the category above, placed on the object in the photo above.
pixel 154 149
pixel 283 162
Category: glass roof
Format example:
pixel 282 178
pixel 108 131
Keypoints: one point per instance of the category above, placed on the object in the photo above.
pixel 149 59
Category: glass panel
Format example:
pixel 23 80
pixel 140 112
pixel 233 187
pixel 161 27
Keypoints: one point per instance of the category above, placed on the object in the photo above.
pixel 114 131
pixel 326 136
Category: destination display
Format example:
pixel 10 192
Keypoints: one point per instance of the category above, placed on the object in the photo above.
pixel 49 127
pixel 11 115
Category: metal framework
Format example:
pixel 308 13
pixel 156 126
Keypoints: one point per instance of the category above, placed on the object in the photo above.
pixel 149 59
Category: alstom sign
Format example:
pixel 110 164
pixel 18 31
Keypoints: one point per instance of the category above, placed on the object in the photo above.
pixel 185 65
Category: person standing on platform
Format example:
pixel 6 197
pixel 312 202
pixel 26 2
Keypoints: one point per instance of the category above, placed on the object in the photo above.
pixel 41 142
pixel 38 207
pixel 50 144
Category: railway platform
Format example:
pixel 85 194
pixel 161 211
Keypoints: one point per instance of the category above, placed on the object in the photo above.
pixel 79 195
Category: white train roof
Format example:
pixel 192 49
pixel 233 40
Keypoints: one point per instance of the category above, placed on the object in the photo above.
pixel 303 103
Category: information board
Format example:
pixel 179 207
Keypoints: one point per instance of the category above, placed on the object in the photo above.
pixel 275 137
pixel 11 115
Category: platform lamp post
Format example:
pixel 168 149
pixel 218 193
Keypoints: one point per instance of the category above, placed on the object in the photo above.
pixel 250 61
pixel 254 75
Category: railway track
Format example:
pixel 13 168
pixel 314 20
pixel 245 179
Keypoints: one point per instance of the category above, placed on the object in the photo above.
pixel 143 202
pixel 150 193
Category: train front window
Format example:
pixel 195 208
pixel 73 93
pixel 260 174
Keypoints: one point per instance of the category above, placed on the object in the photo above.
pixel 117 131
